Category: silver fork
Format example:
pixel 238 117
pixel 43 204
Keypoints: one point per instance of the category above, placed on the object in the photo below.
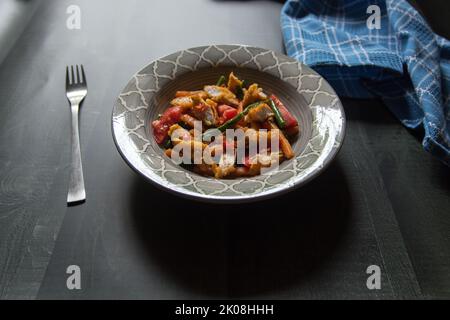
pixel 76 90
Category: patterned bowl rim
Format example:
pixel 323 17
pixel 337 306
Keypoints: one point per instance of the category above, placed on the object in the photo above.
pixel 266 194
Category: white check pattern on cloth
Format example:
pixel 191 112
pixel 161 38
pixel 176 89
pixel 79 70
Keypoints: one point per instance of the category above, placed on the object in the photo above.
pixel 404 62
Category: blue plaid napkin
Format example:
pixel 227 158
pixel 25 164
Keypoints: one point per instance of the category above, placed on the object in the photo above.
pixel 403 62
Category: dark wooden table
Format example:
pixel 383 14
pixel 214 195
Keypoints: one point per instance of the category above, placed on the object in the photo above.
pixel 387 201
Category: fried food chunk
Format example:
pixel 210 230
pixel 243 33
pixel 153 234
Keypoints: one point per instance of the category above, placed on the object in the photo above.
pixel 260 113
pixel 253 94
pixel 206 113
pixel 221 95
pixel 233 82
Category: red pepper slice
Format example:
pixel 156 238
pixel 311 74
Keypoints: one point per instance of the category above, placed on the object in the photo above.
pixel 226 113
pixel 287 116
pixel 162 125
pixel 229 114
pixel 222 108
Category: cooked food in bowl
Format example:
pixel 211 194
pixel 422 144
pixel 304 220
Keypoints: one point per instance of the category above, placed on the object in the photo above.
pixel 229 129
pixel 309 98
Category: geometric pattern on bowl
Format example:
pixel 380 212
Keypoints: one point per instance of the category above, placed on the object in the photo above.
pixel 304 92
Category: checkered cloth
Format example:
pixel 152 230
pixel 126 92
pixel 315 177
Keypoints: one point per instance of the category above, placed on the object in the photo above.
pixel 403 62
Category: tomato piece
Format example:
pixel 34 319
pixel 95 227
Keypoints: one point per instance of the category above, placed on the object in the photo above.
pixel 228 144
pixel 159 131
pixel 162 125
pixel 287 116
pixel 226 113
pixel 247 162
pixel 229 114
pixel 172 115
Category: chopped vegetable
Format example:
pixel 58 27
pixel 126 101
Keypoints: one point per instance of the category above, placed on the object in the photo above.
pixel 222 108
pixel 229 104
pixel 230 123
pixel 168 118
pixel 229 114
pixel 278 117
pixel 168 143
pixel 289 119
pixel 221 81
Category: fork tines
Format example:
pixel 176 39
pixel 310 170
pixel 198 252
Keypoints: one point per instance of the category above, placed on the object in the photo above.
pixel 73 78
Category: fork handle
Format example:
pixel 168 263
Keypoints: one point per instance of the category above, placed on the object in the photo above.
pixel 76 192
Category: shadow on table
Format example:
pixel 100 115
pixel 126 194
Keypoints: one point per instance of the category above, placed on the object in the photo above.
pixel 245 249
